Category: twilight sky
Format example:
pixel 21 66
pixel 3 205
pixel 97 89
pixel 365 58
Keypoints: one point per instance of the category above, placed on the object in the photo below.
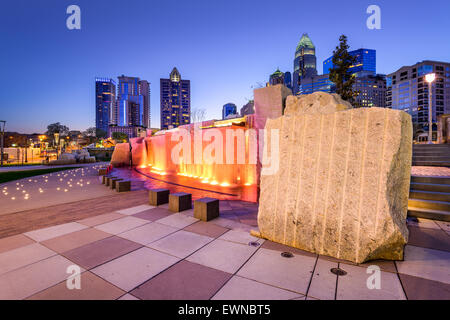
pixel 225 47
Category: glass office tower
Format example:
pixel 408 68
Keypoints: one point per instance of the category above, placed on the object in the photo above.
pixel 304 61
pixel 105 96
pixel 175 95
pixel 366 62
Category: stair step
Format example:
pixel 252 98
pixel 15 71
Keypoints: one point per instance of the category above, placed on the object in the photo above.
pixel 428 214
pixel 431 163
pixel 431 158
pixel 430 180
pixel 430 187
pixel 429 195
pixel 430 204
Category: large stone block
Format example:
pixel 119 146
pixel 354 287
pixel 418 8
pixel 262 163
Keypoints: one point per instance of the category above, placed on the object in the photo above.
pixel 342 185
pixel 317 102
pixel 121 155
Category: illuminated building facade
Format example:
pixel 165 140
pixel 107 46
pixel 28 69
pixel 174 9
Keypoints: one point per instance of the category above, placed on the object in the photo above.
pixel 366 62
pixel 105 99
pixel 372 91
pixel 407 90
pixel 133 102
pixel 175 98
pixel 304 62
pixel 229 109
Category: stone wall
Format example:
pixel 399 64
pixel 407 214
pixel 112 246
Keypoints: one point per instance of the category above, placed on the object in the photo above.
pixel 343 182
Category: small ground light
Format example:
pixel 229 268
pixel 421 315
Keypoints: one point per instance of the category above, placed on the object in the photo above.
pixel 253 244
pixel 287 254
pixel 338 271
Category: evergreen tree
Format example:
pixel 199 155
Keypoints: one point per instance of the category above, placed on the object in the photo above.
pixel 340 73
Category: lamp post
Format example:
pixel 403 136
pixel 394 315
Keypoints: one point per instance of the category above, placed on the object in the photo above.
pixel 430 79
pixel 2 132
pixel 57 143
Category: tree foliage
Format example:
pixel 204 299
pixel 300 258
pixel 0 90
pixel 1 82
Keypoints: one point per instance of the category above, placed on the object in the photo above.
pixel 340 73
pixel 198 115
pixel 120 136
pixel 57 128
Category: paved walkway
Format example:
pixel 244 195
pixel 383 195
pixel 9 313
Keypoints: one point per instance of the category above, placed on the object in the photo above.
pixel 52 189
pixel 146 252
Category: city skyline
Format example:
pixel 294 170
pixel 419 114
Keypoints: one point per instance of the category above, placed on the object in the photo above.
pixel 49 56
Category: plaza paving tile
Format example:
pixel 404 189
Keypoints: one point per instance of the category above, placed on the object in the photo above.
pixel 20 257
pixel 239 288
pixel 121 225
pixel 26 281
pixel 178 220
pixel 207 229
pixel 423 223
pixel 99 252
pixel 353 285
pixel 385 265
pixel 92 287
pixel 128 297
pixel 283 248
pixel 240 237
pixel 181 243
pixel 269 267
pixel 134 268
pixel 429 238
pixel 134 210
pixel 101 219
pixel 75 239
pixel 423 289
pixel 426 263
pixel 55 231
pixel 14 242
pixel 183 281
pixel 223 255
pixel 444 226
pixel 153 214
pixel 148 233
pixel 323 282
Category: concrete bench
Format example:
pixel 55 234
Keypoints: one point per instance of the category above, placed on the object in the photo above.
pixel 157 197
pixel 108 180
pixel 180 201
pixel 206 209
pixel 123 185
pixel 102 171
pixel 113 182
pixel 104 178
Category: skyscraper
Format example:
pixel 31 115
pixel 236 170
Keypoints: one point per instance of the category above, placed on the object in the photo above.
pixel 407 90
pixel 175 101
pixel 105 99
pixel 229 108
pixel 304 61
pixel 133 102
pixel 366 62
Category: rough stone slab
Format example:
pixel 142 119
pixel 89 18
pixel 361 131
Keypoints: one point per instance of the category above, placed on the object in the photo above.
pixel 317 102
pixel 121 155
pixel 342 185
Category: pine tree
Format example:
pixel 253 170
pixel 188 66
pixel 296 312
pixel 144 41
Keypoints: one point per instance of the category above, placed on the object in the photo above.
pixel 340 73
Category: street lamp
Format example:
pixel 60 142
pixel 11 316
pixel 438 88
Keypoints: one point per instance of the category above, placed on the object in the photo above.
pixel 2 132
pixel 56 134
pixel 430 79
